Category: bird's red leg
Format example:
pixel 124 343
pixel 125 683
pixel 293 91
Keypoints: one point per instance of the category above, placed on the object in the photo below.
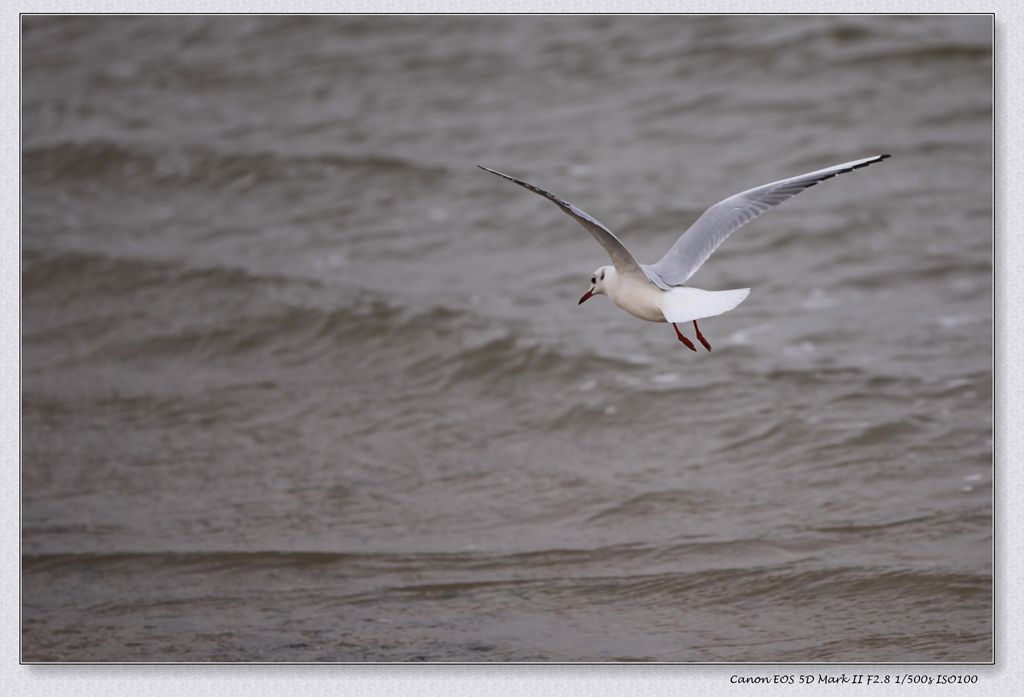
pixel 700 337
pixel 679 334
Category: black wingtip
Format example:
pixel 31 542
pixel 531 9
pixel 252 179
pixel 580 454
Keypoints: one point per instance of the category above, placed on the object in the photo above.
pixel 884 157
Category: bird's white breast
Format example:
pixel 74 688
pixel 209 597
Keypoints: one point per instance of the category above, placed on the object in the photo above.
pixel 639 298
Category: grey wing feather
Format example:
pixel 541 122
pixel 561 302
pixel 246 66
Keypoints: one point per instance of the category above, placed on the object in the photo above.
pixel 621 258
pixel 693 248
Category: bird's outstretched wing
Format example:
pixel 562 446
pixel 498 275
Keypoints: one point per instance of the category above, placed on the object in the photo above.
pixel 693 248
pixel 621 258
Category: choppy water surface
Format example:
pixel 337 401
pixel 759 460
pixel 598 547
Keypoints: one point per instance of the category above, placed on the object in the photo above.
pixel 301 383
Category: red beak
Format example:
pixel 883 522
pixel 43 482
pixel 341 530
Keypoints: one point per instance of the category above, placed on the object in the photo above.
pixel 586 296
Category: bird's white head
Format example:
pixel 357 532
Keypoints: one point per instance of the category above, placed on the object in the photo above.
pixel 597 282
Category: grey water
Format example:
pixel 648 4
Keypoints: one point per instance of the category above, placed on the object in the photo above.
pixel 301 383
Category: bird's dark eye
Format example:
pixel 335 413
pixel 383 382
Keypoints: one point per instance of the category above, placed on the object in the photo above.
pixel 593 280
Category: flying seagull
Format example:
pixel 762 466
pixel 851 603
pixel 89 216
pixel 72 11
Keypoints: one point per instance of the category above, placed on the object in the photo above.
pixel 656 292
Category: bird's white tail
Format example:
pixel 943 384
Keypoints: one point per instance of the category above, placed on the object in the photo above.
pixel 683 304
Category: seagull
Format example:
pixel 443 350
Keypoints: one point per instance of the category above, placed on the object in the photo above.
pixel 656 292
